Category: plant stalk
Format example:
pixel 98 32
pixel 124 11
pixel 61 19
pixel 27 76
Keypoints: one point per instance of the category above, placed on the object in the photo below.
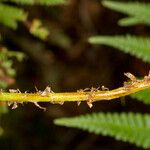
pixel 134 85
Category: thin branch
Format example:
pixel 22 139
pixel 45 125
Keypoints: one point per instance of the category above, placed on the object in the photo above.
pixel 88 95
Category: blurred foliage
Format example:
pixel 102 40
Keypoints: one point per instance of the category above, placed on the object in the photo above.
pixel 143 96
pixel 6 69
pixel 10 15
pixel 39 2
pixel 139 12
pixel 129 127
pixel 37 29
pixel 136 46
pixel 66 61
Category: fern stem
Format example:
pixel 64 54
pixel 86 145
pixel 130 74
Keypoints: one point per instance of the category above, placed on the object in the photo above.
pixel 93 95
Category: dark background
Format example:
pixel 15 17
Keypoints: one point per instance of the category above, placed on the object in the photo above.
pixel 67 62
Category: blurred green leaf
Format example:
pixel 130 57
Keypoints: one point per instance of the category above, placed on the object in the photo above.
pixel 129 21
pixel 3 84
pixel 5 53
pixel 6 62
pixel 18 55
pixel 143 96
pixel 40 2
pixel 134 45
pixel 138 12
pixel 37 30
pixel 9 15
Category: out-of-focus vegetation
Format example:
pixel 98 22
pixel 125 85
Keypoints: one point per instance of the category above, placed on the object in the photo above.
pixel 54 39
pixel 129 127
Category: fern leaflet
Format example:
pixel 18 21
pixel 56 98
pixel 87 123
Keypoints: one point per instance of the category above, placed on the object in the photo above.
pixel 139 12
pixel 136 46
pixel 134 128
pixel 128 21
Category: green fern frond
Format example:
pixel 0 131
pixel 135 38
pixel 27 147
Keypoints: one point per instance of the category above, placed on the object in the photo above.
pixel 136 46
pixel 134 128
pixel 40 2
pixel 129 21
pixel 143 96
pixel 139 12
pixel 10 15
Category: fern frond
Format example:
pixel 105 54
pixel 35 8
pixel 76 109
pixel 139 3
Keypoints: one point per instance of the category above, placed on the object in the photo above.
pixel 129 21
pixel 134 128
pixel 39 2
pixel 139 11
pixel 143 96
pixel 136 46
pixel 10 15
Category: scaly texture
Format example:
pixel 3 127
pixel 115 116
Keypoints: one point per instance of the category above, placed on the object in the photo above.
pixel 138 12
pixel 10 15
pixel 136 46
pixel 40 2
pixel 88 95
pixel 143 96
pixel 134 128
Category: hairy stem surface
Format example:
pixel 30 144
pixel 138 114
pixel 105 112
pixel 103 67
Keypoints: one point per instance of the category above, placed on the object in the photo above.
pixel 91 95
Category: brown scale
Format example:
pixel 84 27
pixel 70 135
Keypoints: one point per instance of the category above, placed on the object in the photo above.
pixel 133 81
pixel 14 104
pixel 82 90
pixel 147 78
pixel 37 105
pixel 46 92
pixel 131 76
pixel 91 95
pixel 78 103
